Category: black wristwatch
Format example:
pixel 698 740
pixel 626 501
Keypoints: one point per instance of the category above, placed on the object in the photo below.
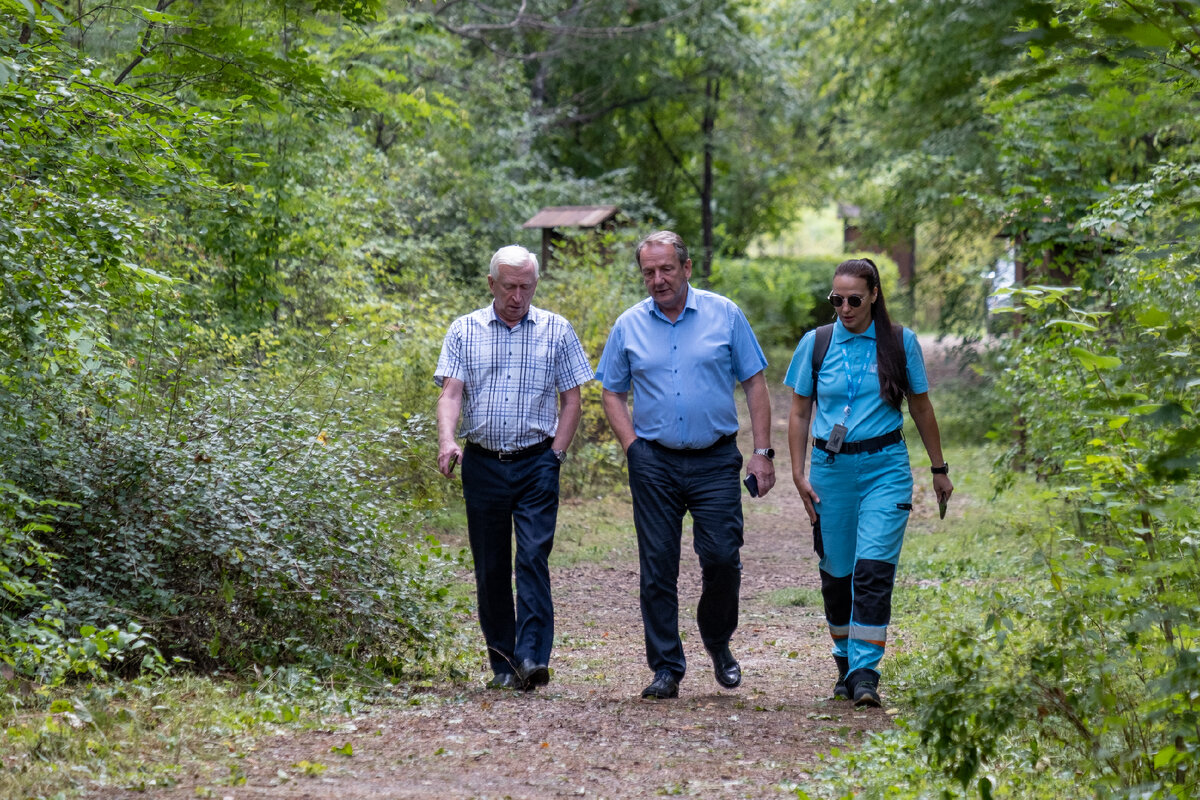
pixel 765 451
pixel 944 469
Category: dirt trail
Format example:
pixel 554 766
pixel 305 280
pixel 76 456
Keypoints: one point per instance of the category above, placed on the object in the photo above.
pixel 588 733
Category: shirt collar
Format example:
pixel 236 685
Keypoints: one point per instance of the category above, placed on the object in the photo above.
pixel 530 316
pixel 689 302
pixel 840 334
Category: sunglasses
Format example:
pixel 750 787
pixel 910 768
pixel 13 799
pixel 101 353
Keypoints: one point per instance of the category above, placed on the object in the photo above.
pixel 836 300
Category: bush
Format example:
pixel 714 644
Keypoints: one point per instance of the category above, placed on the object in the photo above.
pixel 1103 394
pixel 238 527
pixel 784 298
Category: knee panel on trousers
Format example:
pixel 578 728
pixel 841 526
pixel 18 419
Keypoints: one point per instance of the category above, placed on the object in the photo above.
pixel 836 593
pixel 873 582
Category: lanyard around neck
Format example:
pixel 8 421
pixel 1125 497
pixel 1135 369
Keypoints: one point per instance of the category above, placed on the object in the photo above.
pixel 853 382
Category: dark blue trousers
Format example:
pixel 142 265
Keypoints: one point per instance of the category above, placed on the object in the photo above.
pixel 502 497
pixel 665 485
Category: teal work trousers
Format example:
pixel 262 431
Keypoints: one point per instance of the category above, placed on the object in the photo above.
pixel 866 499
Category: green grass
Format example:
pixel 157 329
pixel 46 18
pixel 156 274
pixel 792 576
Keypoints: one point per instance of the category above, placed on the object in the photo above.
pixel 796 597
pixel 815 232
pixel 599 529
pixel 589 530
pixel 949 575
pixel 141 735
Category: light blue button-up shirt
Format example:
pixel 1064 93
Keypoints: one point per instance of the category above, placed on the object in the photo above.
pixel 849 359
pixel 682 373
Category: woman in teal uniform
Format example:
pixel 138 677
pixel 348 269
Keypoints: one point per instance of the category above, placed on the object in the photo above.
pixel 859 494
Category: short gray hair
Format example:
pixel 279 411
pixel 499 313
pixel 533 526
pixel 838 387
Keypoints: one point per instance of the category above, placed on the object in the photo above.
pixel 512 256
pixel 663 237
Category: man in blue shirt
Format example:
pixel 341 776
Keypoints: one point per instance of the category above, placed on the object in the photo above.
pixel 682 350
pixel 513 371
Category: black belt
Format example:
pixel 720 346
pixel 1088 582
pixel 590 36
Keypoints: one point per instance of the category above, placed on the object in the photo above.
pixel 872 445
pixel 513 455
pixel 728 438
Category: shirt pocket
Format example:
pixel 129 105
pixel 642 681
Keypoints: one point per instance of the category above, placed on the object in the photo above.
pixel 535 362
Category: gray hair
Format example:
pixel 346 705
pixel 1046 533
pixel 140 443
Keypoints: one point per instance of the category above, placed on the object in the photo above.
pixel 512 256
pixel 663 237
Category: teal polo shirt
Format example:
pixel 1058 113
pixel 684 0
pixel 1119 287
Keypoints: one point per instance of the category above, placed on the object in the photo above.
pixel 849 361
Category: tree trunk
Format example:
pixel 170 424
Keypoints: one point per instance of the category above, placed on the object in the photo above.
pixel 712 95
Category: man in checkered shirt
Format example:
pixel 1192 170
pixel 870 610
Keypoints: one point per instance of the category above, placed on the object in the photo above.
pixel 513 372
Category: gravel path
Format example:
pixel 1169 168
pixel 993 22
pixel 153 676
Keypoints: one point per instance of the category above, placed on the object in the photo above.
pixel 588 733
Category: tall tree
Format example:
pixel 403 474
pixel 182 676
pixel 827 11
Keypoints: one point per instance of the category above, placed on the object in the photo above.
pixel 689 96
pixel 981 118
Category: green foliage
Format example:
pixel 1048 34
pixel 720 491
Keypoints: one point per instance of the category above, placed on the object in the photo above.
pixel 240 526
pixel 145 734
pixel 1020 127
pixel 1106 657
pixel 688 102
pixel 785 298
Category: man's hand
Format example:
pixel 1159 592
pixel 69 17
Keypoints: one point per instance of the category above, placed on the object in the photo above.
pixel 763 470
pixel 449 405
pixel 448 455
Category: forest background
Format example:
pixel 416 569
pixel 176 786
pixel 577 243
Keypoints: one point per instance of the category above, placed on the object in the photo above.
pixel 232 235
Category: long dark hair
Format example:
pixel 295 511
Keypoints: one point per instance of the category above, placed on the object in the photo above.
pixel 889 350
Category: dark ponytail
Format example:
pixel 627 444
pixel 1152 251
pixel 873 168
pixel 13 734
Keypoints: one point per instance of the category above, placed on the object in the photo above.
pixel 889 349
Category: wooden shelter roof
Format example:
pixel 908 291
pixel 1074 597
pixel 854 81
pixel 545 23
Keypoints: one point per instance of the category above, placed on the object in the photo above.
pixel 571 217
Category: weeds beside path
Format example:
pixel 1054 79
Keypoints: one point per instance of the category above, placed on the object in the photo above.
pixel 588 733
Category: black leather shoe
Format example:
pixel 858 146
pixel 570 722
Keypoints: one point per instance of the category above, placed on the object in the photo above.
pixel 726 668
pixel 505 680
pixel 533 674
pixel 664 686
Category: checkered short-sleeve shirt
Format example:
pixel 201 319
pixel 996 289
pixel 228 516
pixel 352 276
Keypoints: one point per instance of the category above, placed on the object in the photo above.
pixel 511 376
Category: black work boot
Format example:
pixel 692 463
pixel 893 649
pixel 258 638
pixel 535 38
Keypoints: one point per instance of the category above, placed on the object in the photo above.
pixel 840 692
pixel 864 688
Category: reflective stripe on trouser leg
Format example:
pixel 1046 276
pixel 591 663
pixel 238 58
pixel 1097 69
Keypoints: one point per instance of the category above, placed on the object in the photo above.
pixel 873 582
pixel 864 508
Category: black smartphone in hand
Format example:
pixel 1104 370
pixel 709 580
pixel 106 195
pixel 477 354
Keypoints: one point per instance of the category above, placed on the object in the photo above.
pixel 751 485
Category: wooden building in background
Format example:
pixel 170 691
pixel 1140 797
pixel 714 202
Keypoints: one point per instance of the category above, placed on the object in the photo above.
pixel 553 218
pixel 903 252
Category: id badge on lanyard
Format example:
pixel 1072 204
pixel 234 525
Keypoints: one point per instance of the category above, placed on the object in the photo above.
pixel 837 437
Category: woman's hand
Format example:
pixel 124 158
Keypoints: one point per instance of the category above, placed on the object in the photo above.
pixel 942 488
pixel 807 495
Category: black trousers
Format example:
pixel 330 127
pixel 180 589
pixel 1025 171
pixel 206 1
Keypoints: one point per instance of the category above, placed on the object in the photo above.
pixel 665 485
pixel 502 497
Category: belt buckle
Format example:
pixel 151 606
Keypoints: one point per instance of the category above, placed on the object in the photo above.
pixel 504 457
